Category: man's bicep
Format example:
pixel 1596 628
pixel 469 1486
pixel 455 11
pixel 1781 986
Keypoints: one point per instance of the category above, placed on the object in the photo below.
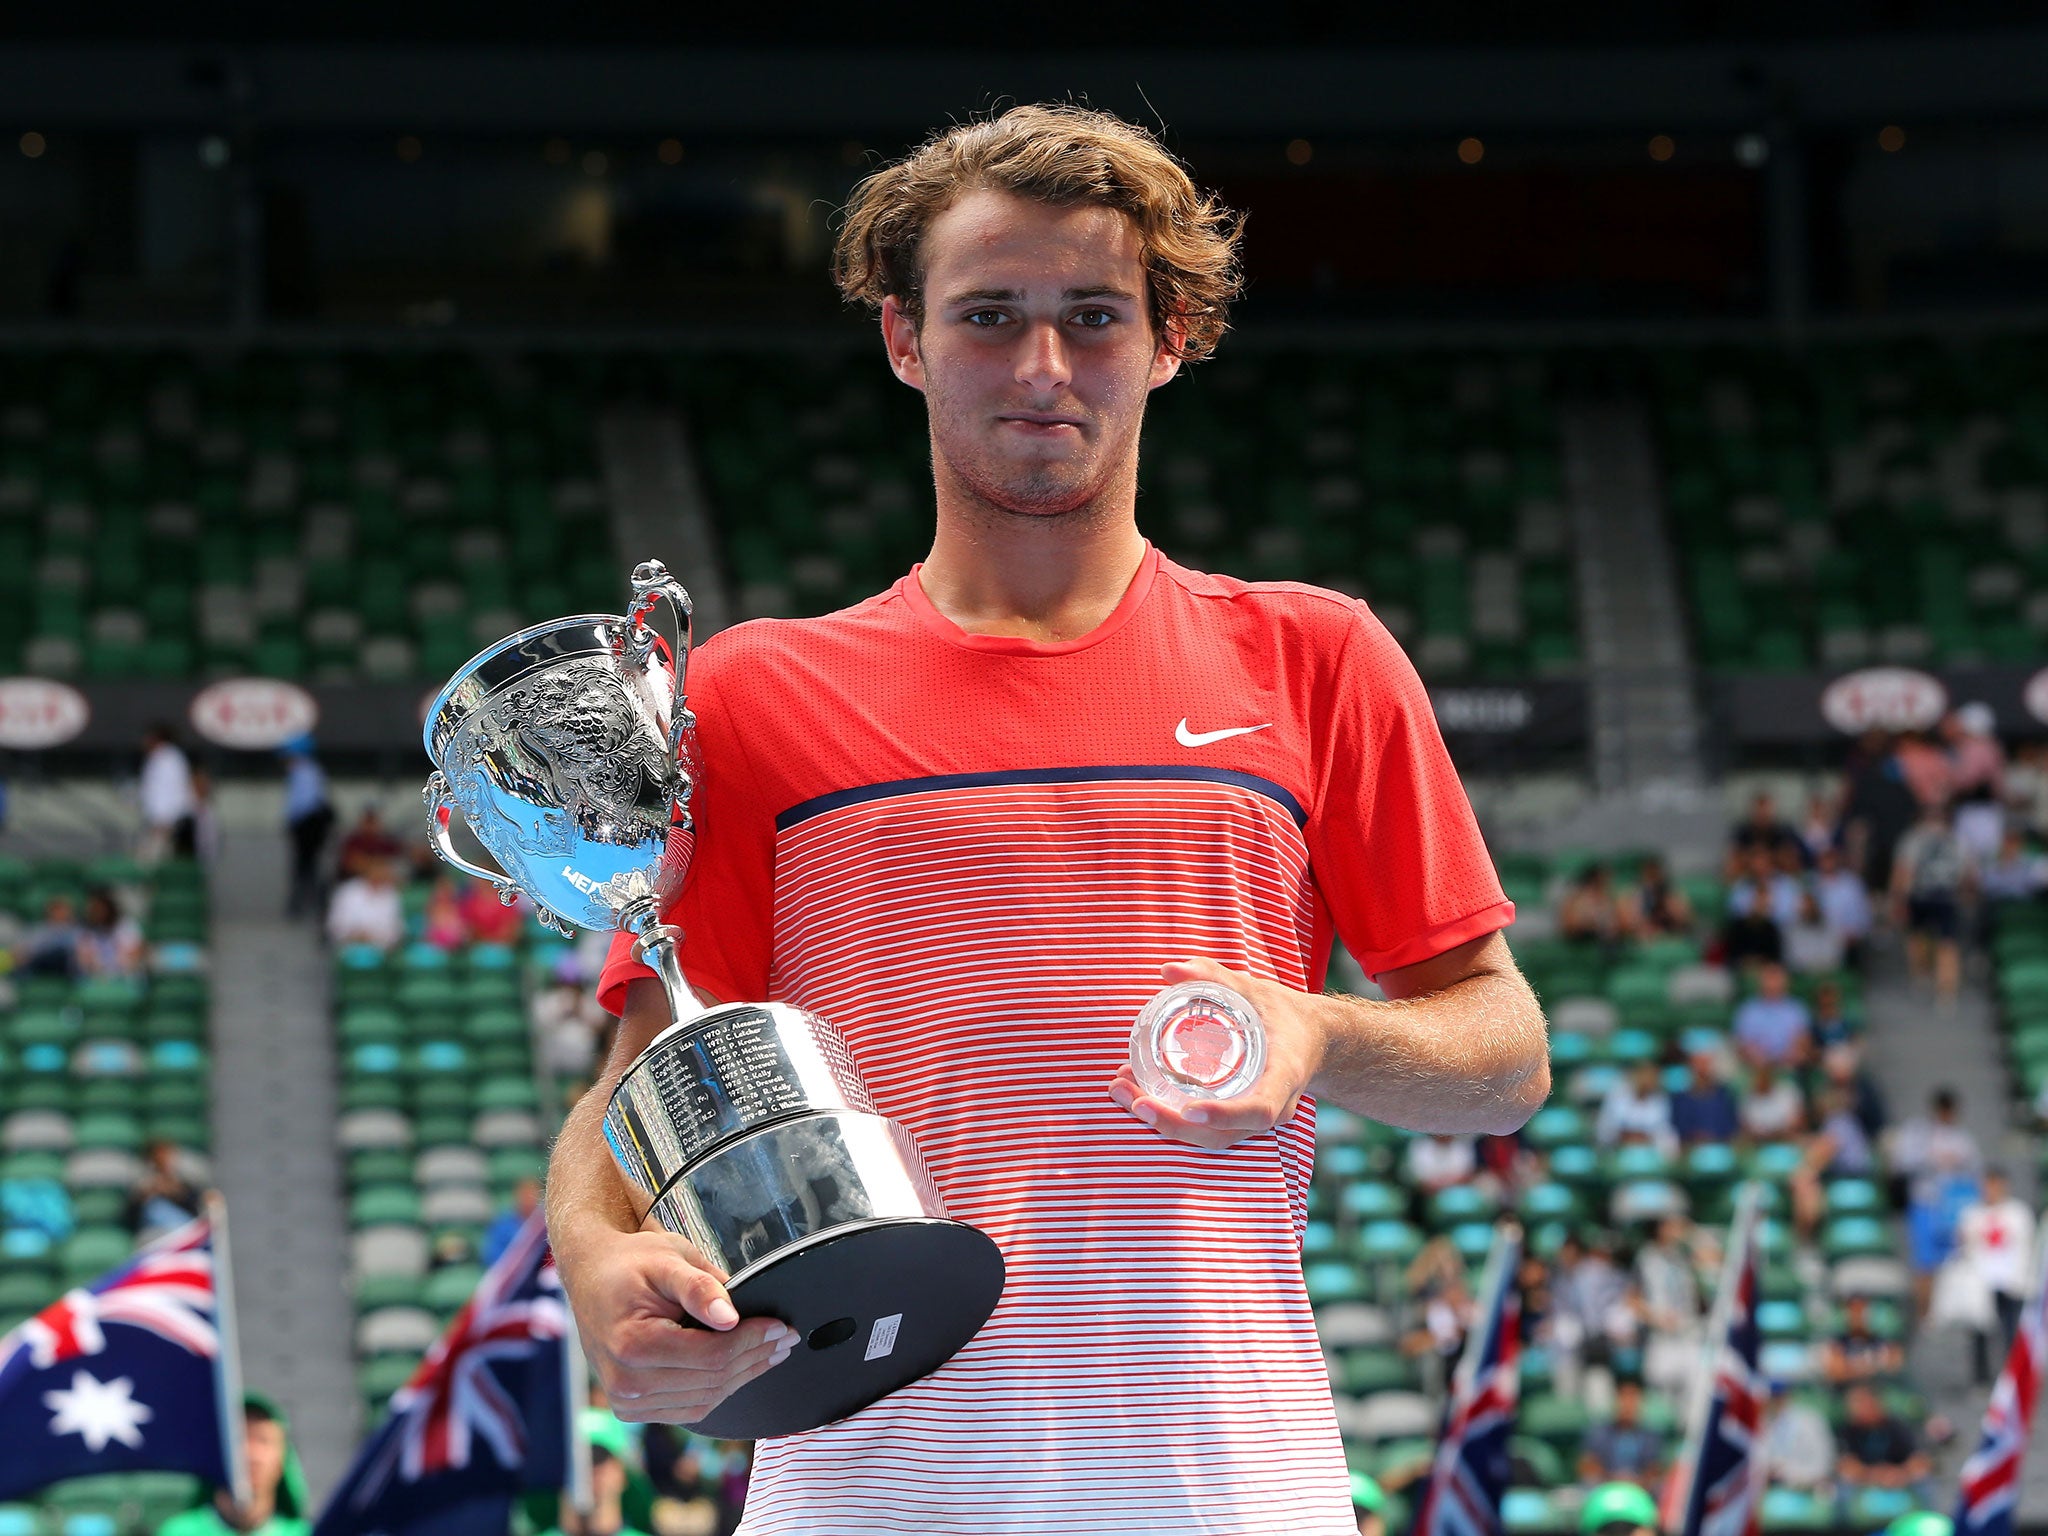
pixel 645 1015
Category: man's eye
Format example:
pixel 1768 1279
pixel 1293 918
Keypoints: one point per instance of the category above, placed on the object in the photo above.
pixel 1095 319
pixel 986 319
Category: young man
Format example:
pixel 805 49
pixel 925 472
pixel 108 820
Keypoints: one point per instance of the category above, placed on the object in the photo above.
pixel 977 820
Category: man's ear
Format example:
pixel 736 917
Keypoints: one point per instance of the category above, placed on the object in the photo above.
pixel 900 340
pixel 1166 361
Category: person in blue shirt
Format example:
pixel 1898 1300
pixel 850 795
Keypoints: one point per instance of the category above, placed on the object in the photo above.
pixel 1705 1109
pixel 308 818
pixel 1773 1026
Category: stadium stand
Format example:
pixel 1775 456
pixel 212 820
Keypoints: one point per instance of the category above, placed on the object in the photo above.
pixel 440 1120
pixel 265 496
pixel 1866 502
pixel 1395 1236
pixel 95 1068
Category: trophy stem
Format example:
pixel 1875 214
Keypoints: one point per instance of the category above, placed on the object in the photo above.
pixel 654 945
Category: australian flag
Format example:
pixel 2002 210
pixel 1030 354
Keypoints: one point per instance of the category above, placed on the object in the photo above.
pixel 1472 1466
pixel 1991 1477
pixel 484 1418
pixel 1720 1476
pixel 125 1374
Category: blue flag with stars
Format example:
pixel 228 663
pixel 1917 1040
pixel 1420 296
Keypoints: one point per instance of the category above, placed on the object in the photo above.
pixel 126 1374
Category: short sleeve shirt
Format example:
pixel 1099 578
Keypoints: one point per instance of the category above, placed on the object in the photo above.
pixel 972 854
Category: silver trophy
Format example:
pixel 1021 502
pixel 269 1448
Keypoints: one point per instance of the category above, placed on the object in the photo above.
pixel 569 753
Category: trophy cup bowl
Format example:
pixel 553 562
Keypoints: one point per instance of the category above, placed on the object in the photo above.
pixel 569 752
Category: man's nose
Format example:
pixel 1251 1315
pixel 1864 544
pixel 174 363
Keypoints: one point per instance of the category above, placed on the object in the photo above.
pixel 1043 364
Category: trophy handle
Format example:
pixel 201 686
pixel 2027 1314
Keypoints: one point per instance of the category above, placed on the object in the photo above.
pixel 651 584
pixel 440 809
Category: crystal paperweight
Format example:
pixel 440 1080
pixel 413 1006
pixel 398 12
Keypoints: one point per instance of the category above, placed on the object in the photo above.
pixel 1197 1041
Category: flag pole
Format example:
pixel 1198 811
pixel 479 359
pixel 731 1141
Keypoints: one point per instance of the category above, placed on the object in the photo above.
pixel 1499 1271
pixel 1686 1468
pixel 575 1392
pixel 227 1369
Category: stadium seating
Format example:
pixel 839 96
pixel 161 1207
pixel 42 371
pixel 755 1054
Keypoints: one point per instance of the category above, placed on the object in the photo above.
pixel 441 1117
pixel 264 497
pixel 90 1072
pixel 1429 484
pixel 1648 1000
pixel 1869 502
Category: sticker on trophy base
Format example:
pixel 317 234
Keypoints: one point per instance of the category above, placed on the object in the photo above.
pixel 882 1337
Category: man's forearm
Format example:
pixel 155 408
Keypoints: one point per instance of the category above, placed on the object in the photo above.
pixel 585 1189
pixel 1470 1056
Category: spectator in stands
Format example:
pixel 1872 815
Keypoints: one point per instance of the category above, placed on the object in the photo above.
pixel 1438 1162
pixel 1442 1311
pixel 308 820
pixel 1877 1451
pixel 1879 808
pixel 1761 902
pixel 108 943
pixel 2014 873
pixel 169 811
pixel 1590 1297
pixel 1930 874
pixel 488 919
pixel 1705 1109
pixel 1667 1274
pixel 1637 1109
pixel 1762 830
pixel 1976 778
pixel 1772 1025
pixel 1925 768
pixel 1811 947
pixel 51 948
pixel 1841 1067
pixel 366 909
pixel 1995 1235
pixel 1818 832
pixel 1590 914
pixel 1833 1023
pixel 1658 908
pixel 2026 788
pixel 278 1504
pixel 1838 1149
pixel 165 1195
pixel 441 924
pixel 1939 1160
pixel 368 839
pixel 1623 1450
pixel 611 1455
pixel 1859 1352
pixel 699 1485
pixel 498 1236
pixel 1844 903
pixel 205 818
pixel 1772 1107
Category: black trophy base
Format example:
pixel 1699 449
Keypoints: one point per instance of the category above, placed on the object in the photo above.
pixel 874 1309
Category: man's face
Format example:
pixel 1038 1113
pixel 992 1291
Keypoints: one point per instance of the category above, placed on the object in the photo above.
pixel 1628 1403
pixel 1864 1407
pixel 1036 350
pixel 1770 981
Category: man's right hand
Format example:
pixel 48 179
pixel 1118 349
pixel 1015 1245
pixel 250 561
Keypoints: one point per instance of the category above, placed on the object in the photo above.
pixel 630 1290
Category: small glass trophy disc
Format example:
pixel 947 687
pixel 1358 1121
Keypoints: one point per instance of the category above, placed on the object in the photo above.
pixel 1197 1041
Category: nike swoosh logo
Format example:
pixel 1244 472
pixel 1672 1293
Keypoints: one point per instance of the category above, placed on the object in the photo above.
pixel 1188 738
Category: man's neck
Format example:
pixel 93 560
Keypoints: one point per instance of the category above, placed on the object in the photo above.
pixel 1051 578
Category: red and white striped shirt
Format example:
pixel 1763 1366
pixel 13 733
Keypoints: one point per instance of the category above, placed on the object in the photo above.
pixel 972 854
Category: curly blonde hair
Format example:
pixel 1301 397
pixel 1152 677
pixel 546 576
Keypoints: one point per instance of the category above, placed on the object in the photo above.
pixel 1064 155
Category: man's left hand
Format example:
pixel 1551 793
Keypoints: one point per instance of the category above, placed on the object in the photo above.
pixel 1294 1052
